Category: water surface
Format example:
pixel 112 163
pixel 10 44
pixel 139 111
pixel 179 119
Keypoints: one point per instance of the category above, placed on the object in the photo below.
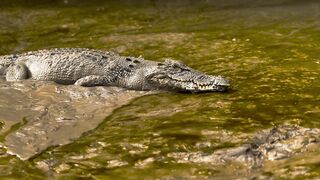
pixel 269 50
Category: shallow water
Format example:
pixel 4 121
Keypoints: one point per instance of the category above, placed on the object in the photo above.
pixel 269 50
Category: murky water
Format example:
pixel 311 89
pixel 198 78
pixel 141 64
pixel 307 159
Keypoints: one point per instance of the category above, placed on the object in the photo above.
pixel 269 50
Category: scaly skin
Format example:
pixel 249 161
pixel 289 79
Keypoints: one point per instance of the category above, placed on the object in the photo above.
pixel 277 143
pixel 88 67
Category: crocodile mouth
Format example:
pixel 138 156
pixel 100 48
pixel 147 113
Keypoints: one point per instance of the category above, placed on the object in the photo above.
pixel 215 84
pixel 194 86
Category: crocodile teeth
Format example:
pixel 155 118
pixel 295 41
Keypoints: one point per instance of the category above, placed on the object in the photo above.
pixel 205 87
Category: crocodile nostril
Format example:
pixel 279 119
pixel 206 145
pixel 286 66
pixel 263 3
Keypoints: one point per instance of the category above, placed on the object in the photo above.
pixel 128 59
pixel 131 66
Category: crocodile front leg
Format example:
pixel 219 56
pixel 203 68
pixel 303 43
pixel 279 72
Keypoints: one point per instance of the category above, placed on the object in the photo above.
pixel 92 80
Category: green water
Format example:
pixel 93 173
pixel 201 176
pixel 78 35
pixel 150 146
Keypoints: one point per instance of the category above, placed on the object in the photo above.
pixel 269 51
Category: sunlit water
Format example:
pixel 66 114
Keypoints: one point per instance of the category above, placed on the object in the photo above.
pixel 269 50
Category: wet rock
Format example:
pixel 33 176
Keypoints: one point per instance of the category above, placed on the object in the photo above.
pixel 55 114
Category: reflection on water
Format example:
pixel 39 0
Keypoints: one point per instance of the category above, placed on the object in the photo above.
pixel 269 49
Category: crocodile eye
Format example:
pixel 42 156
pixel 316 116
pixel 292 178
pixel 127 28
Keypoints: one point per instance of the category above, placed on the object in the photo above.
pixel 160 64
pixel 136 62
pixel 104 57
pixel 128 59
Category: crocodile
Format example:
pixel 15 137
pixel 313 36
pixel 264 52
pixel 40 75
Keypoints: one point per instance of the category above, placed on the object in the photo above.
pixel 88 67
pixel 277 143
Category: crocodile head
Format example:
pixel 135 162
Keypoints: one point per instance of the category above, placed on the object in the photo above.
pixel 170 75
pixel 173 75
